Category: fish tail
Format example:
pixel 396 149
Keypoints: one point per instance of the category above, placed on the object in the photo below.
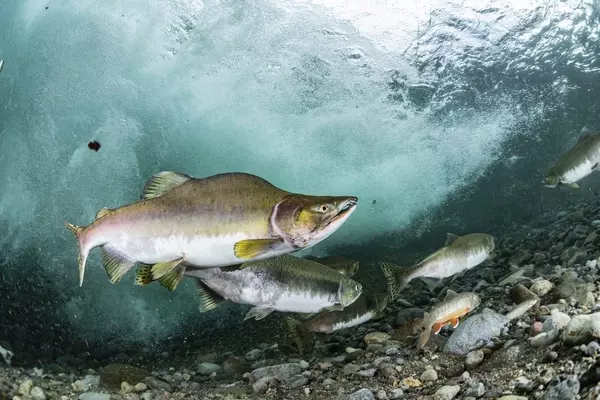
pixel 298 334
pixel 396 277
pixel 82 252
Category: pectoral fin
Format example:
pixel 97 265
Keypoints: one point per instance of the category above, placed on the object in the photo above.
pixel 115 263
pixel 161 269
pixel 259 313
pixel 209 299
pixel 171 279
pixel 162 182
pixel 143 276
pixel 454 322
pixel 252 248
pixel 572 185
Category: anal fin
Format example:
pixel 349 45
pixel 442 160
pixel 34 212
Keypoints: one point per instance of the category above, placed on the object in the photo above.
pixel 437 327
pixel 171 279
pixel 115 263
pixel 209 299
pixel 251 248
pixel 454 322
pixel 258 313
pixel 161 269
pixel 143 276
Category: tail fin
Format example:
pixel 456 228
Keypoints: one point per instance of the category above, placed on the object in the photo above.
pixel 298 333
pixel 82 256
pixel 397 278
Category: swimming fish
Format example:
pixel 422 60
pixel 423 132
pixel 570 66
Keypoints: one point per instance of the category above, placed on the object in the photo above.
pixel 459 253
pixel 283 283
pixel 577 163
pixel 1 65
pixel 221 220
pixel 365 308
pixel 341 264
pixel 454 306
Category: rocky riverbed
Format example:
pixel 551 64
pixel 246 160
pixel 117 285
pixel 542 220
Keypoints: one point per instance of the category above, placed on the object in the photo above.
pixel 547 349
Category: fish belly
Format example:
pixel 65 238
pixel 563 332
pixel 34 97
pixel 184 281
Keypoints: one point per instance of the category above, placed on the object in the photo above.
pixel 353 322
pixel 201 251
pixel 301 302
pixel 579 171
pixel 476 258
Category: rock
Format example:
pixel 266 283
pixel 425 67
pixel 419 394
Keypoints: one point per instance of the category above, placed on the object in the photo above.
pixel 396 394
pixel 446 392
pixel 541 287
pixel 536 328
pixel 25 387
pixel 328 382
pixel 561 388
pixel 582 329
pixel 592 348
pixel 350 369
pixel 361 394
pixel 88 382
pixel 429 375
pixel 367 373
pixel 592 376
pixel 263 384
pixel 94 396
pixel 208 368
pixel 476 331
pixel 512 397
pixel 544 338
pixel 473 359
pixel 520 293
pixel 523 385
pixel 254 354
pixel 556 321
pixel 520 257
pixel 37 393
pixel 475 389
pixel 382 395
pixel 551 356
pixel 376 338
pixel 140 387
pixel 282 372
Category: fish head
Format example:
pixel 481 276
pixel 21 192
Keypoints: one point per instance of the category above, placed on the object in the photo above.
pixel 306 220
pixel 349 290
pixel 551 180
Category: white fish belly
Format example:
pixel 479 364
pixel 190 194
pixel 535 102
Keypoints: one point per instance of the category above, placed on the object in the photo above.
pixel 202 251
pixel 579 171
pixel 301 303
pixel 476 258
pixel 356 321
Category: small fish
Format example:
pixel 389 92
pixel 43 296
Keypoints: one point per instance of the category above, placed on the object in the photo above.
pixel 577 163
pixel 284 283
pixel 459 254
pixel 341 264
pixel 449 311
pixel 7 355
pixel 221 220
pixel 1 65
pixel 365 308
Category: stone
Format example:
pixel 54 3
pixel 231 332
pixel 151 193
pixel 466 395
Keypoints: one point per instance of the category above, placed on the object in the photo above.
pixel 541 287
pixel 361 394
pixel 367 373
pixel 376 338
pixel 520 293
pixel 475 389
pixel 37 393
pixel 254 354
pixel 263 384
pixel 113 374
pixel 328 382
pixel 94 396
pixel 208 368
pixel 429 375
pixel 25 387
pixel 560 388
pixel 282 372
pixel 473 359
pixel 396 394
pixel 556 321
pixel 476 331
pixel 446 392
pixel 140 387
pixel 582 329
pixel 544 338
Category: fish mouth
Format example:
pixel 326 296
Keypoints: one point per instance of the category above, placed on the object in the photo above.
pixel 345 209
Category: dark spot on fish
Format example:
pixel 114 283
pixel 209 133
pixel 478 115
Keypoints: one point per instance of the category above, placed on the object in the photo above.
pixel 94 145
pixel 374 201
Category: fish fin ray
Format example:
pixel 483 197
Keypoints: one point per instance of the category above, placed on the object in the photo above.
pixel 171 279
pixel 209 299
pixel 115 263
pixel 259 313
pixel 104 211
pixel 161 269
pixel 252 248
pixel 450 238
pixel 143 275
pixel 81 256
pixel 162 182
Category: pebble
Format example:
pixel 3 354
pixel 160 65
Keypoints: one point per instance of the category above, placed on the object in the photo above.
pixel 473 359
pixel 536 328
pixel 328 382
pixel 475 389
pixel 561 388
pixel 37 393
pixel 592 348
pixel 283 372
pixel 541 287
pixel 429 375
pixel 544 338
pixel 361 394
pixel 556 321
pixel 446 392
pixel 94 396
pixel 396 394
pixel 208 368
pixel 582 329
pixel 367 373
pixel 382 395
pixel 254 354
pixel 376 338
pixel 140 387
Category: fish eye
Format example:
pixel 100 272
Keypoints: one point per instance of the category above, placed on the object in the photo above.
pixel 323 208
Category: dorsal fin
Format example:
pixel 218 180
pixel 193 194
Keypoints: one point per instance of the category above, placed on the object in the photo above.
pixel 584 134
pixel 162 182
pixel 450 294
pixel 209 299
pixel 102 212
pixel 450 238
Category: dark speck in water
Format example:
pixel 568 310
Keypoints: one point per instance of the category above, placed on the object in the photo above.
pixel 94 145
